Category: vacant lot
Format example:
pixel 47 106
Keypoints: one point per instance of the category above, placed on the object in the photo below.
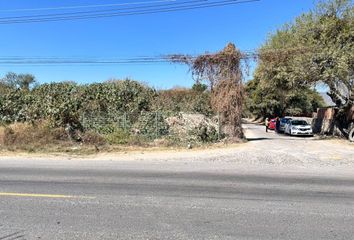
pixel 272 187
pixel 262 150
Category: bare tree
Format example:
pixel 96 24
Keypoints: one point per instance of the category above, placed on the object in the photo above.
pixel 223 72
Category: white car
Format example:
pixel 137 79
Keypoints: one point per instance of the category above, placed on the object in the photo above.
pixel 298 127
pixel 283 122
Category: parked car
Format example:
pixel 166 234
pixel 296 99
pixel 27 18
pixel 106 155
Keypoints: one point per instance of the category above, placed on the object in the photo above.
pixel 350 128
pixel 351 132
pixel 283 122
pixel 298 127
pixel 272 124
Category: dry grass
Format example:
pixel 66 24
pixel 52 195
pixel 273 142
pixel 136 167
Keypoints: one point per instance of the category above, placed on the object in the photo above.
pixel 2 135
pixel 41 138
pixel 30 137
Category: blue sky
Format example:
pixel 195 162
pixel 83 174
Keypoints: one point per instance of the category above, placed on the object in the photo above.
pixel 187 32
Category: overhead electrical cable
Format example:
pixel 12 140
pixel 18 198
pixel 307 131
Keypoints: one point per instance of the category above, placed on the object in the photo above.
pixel 37 60
pixel 83 6
pixel 59 61
pixel 121 12
pixel 84 13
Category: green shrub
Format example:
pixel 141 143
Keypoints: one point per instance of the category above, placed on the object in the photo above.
pixel 205 134
pixel 119 136
pixel 96 113
pixel 184 100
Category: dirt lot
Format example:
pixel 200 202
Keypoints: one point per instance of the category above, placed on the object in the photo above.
pixel 281 148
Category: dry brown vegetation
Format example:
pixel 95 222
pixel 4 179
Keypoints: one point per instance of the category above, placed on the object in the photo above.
pixel 40 136
pixel 223 72
pixel 29 137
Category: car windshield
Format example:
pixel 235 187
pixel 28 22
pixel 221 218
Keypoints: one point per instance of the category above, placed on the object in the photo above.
pixel 299 122
pixel 285 120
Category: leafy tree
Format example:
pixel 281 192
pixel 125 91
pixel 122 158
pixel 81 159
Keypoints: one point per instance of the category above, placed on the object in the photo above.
pixel 10 80
pixel 21 81
pixel 317 48
pixel 25 81
pixel 267 100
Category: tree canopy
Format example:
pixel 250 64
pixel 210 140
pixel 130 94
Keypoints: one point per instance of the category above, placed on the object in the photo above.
pixel 316 49
pixel 21 81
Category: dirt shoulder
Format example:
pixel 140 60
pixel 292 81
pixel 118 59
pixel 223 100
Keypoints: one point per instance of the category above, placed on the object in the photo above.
pixel 132 153
pixel 263 150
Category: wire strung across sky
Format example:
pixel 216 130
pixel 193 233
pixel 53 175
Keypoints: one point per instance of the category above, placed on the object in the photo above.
pixel 82 6
pixel 167 58
pixel 72 61
pixel 71 14
pixel 123 11
pixel 17 60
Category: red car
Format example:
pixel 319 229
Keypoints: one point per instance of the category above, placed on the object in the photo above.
pixel 272 124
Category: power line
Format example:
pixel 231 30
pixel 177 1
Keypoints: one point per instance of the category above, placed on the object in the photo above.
pixel 45 61
pixel 84 13
pixel 168 58
pixel 83 6
pixel 78 59
pixel 121 12
pixel 17 60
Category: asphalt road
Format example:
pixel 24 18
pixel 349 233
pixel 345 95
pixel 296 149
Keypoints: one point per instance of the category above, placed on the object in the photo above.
pixel 69 199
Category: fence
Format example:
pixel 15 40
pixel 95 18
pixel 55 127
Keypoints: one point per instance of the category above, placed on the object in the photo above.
pixel 154 125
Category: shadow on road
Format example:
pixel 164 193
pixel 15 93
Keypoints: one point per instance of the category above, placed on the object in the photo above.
pixel 258 139
pixel 281 137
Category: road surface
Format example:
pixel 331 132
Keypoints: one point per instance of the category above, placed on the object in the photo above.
pixel 156 198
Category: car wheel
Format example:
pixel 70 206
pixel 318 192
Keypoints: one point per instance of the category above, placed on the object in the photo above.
pixel 351 135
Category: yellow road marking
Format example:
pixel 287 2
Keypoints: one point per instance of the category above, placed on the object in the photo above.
pixel 8 194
